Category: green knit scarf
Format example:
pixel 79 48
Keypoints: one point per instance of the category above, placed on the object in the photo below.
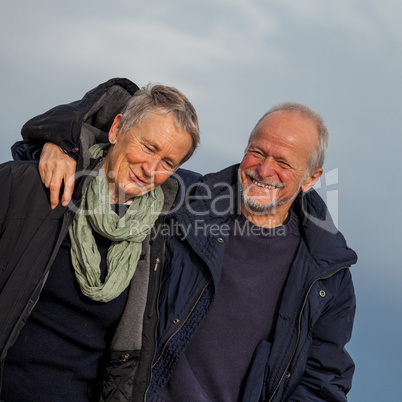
pixel 126 233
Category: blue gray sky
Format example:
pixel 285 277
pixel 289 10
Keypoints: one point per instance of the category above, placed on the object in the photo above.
pixel 234 59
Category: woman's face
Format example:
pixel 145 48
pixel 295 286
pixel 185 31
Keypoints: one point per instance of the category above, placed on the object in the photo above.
pixel 144 156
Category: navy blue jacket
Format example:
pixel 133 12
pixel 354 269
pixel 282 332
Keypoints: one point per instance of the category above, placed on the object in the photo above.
pixel 307 360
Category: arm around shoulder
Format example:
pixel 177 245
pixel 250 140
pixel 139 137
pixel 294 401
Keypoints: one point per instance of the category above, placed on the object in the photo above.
pixel 56 168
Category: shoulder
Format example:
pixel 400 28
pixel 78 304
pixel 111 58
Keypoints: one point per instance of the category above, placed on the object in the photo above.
pixel 198 182
pixel 323 239
pixel 227 175
pixel 187 177
pixel 20 170
pixel 21 179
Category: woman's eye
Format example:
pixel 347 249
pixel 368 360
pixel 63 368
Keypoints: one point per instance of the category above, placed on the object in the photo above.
pixel 168 165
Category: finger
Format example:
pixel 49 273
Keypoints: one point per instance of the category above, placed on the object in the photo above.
pixel 45 174
pixel 68 189
pixel 55 167
pixel 54 187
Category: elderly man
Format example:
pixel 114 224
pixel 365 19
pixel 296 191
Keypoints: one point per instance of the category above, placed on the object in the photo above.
pixel 258 305
pixel 256 301
pixel 75 282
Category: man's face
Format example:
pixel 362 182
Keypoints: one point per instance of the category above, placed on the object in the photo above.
pixel 144 156
pixel 275 164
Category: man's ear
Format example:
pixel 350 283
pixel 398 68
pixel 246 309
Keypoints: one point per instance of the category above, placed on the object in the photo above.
pixel 115 129
pixel 311 180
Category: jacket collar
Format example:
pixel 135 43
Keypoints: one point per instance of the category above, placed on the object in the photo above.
pixel 216 198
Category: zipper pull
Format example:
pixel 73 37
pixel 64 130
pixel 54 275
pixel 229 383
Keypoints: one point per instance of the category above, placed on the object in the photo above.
pixel 156 264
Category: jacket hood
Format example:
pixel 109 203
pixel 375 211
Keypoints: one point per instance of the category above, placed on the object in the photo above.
pixel 325 242
pixel 84 122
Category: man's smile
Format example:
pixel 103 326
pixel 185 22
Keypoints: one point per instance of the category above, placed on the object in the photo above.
pixel 263 185
pixel 266 184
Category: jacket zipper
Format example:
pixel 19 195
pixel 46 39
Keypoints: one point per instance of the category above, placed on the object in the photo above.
pixel 299 328
pixel 152 291
pixel 155 329
pixel 178 329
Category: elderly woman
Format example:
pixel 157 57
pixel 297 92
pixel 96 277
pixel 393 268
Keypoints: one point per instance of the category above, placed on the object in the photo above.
pixel 76 288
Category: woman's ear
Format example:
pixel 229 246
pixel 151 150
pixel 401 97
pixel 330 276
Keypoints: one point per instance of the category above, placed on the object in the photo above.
pixel 115 129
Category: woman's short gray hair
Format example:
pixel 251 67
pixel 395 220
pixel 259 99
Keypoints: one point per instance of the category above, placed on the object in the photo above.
pixel 316 159
pixel 161 99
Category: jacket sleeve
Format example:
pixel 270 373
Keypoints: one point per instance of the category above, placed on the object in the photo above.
pixel 26 150
pixel 329 369
pixel 63 124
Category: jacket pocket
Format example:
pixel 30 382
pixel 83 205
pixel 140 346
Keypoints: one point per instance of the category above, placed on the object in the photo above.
pixel 257 373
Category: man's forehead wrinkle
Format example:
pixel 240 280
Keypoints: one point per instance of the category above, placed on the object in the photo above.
pixel 273 144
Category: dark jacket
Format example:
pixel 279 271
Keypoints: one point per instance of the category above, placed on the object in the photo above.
pixel 307 360
pixel 31 234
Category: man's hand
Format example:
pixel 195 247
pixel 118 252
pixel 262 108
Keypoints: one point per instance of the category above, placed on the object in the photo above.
pixel 56 167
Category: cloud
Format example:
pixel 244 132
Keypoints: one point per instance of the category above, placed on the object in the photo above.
pixel 144 39
pixel 366 23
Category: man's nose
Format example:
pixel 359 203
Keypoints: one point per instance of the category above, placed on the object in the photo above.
pixel 266 167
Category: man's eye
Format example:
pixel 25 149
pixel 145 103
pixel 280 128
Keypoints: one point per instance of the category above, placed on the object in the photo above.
pixel 283 164
pixel 255 152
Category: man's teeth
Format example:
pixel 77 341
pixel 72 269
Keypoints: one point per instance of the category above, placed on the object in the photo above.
pixel 258 183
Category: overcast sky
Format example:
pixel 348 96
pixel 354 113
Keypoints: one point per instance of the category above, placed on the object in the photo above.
pixel 234 59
